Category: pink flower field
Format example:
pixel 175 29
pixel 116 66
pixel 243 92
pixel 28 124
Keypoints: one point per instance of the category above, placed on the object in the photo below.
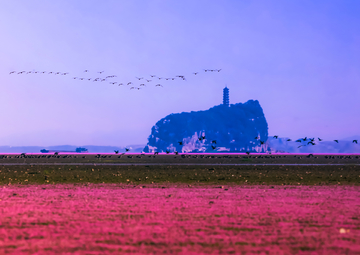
pixel 177 219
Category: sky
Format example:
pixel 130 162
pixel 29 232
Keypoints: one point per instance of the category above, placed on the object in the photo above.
pixel 300 59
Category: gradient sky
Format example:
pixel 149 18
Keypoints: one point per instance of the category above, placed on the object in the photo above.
pixel 300 59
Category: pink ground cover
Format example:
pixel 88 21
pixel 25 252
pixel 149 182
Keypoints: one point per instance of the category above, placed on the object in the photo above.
pixel 109 218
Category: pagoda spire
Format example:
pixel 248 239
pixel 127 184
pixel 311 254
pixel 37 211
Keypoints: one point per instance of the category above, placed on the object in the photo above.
pixel 226 97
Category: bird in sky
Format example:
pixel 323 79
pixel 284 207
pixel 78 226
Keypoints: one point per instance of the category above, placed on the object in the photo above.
pixel 12 72
pixel 180 143
pixel 139 78
pixel 355 141
pixel 120 84
pixel 158 85
pixel 256 138
pixel 129 83
pixel 298 141
pixel 148 80
pixel 304 139
pixel 218 70
pixel 262 142
pixel 100 72
pixel 311 142
pixel 299 146
pixel 276 137
pixel 213 147
pixel 288 140
pixel 337 141
pixel 142 84
pixel 320 139
pixel 127 149
pixel 213 141
pixel 195 73
pixel 86 71
pixel 152 75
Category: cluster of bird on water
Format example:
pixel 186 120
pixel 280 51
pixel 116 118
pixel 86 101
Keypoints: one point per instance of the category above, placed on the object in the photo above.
pixel 143 82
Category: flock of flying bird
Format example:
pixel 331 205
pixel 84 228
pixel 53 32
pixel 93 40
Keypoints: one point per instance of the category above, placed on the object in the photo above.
pixel 143 82
pixel 305 139
pixel 213 142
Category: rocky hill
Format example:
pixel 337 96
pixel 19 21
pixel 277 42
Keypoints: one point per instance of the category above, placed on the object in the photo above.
pixel 233 128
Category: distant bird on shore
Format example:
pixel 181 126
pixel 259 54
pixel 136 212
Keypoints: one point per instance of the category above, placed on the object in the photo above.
pixel 337 141
pixel 355 141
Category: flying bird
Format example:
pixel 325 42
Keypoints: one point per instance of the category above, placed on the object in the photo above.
pixel 180 143
pixel 276 137
pixel 288 140
pixel 311 143
pixel 101 72
pixel 337 141
pixel 86 71
pixel 126 149
pixel 196 73
pixel 320 139
pixel 256 138
pixel 262 142
pixel 213 147
pixel 12 72
pixel 213 141
pixel 158 85
pixel 355 141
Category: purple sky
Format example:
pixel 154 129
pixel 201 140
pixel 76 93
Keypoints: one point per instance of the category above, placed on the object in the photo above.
pixel 300 59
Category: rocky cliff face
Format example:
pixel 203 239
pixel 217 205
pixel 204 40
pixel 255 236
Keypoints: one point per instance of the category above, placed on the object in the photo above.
pixel 233 128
